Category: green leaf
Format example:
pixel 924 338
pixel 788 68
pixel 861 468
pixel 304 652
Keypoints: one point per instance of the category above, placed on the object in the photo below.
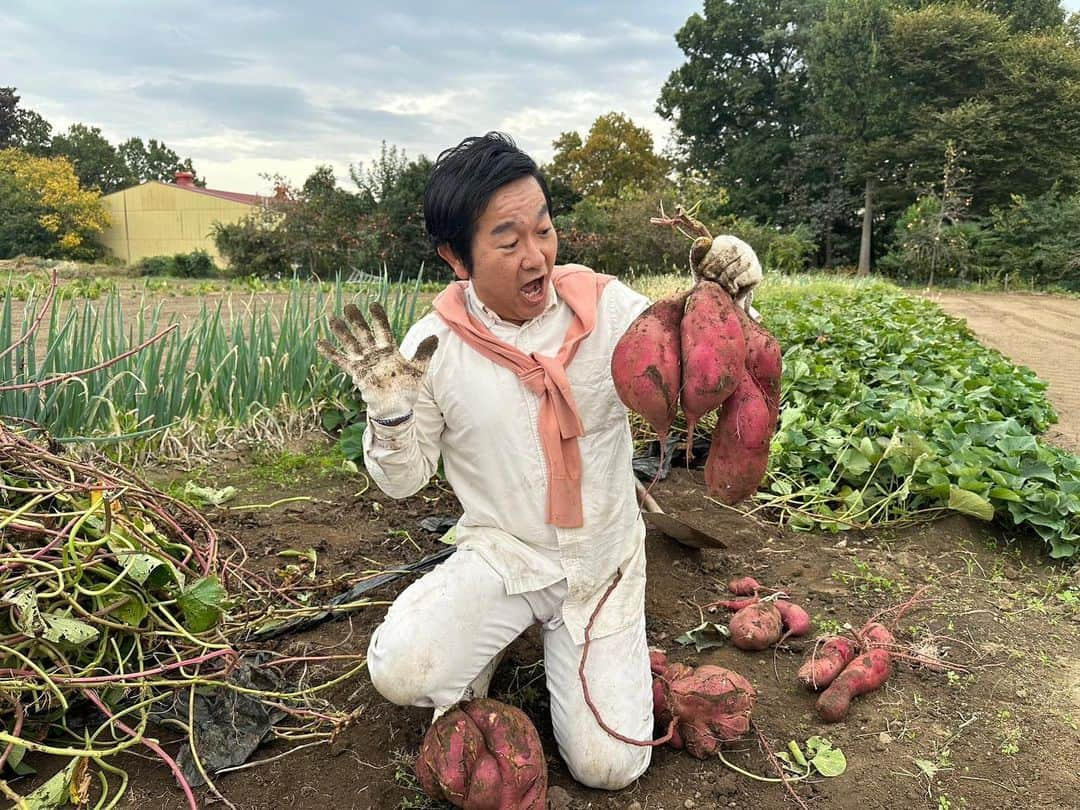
pixel 55 792
pixel 130 608
pixel 827 760
pixel 705 636
pixel 969 503
pixel 202 603
pixel 62 629
pixel 209 495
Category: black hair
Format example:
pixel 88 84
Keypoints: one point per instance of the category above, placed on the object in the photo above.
pixel 462 183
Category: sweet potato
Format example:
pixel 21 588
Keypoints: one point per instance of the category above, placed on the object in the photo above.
pixel 713 352
pixel 744 586
pixel 484 755
pixel 739 453
pixel 755 627
pixel 865 674
pixel 826 662
pixel 796 620
pixel 875 634
pixel 763 359
pixel 658 662
pixel 736 604
pixel 710 704
pixel 646 365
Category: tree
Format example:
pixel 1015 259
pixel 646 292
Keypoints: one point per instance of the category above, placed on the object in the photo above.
pixel 617 156
pixel 1010 101
pixel 96 161
pixel 21 128
pixel 153 161
pixel 855 96
pixel 740 98
pixel 393 188
pixel 9 111
pixel 43 209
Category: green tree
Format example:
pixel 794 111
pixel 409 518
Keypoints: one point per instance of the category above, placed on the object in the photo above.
pixel 393 188
pixel 617 156
pixel 153 160
pixel 9 116
pixel 96 161
pixel 1010 101
pixel 21 128
pixel 855 96
pixel 740 98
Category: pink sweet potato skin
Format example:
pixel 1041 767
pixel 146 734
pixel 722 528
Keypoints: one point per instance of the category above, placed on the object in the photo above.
pixel 865 674
pixel 713 351
pixel 763 359
pixel 875 634
pixel 484 755
pixel 739 453
pixel 744 586
pixel 825 663
pixel 736 604
pixel 755 627
pixel 646 365
pixel 710 704
pixel 796 620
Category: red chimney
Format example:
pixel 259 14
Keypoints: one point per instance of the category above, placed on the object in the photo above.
pixel 185 179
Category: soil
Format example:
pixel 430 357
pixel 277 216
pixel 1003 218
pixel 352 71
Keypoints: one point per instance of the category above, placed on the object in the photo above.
pixel 1041 332
pixel 984 735
pixel 981 733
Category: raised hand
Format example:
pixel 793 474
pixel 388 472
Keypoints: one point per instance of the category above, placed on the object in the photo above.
pixel 733 265
pixel 388 383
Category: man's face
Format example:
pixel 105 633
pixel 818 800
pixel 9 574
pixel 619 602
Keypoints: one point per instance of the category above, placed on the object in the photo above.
pixel 513 252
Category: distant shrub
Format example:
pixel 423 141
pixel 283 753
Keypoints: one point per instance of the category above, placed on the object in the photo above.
pixel 196 264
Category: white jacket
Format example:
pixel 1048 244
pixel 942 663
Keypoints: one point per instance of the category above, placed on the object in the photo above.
pixel 482 420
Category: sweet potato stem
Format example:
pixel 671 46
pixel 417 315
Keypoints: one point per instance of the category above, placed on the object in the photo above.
pixel 585 683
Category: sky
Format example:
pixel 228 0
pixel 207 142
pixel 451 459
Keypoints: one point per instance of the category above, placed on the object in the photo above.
pixel 269 87
pixel 272 87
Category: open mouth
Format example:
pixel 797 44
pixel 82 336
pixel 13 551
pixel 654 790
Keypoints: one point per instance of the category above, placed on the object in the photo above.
pixel 534 291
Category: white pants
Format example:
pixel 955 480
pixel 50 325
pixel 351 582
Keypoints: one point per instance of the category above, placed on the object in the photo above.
pixel 445 627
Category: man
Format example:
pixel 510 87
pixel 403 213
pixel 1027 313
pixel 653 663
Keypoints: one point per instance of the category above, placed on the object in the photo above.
pixel 519 403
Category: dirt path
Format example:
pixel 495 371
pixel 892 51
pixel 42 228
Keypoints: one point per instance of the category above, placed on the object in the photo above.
pixel 1041 332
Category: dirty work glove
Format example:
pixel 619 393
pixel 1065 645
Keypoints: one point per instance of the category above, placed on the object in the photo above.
pixel 388 383
pixel 732 264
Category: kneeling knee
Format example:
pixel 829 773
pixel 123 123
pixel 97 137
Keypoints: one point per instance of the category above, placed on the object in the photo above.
pixel 399 675
pixel 610 768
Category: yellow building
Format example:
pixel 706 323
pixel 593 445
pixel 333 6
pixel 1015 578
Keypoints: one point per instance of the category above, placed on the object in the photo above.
pixel 161 219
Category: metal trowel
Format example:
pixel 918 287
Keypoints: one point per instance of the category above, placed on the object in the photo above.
pixel 672 527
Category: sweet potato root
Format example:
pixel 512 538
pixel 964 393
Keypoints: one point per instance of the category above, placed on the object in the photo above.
pixel 744 586
pixel 739 453
pixel 796 620
pixel 484 755
pixel 826 662
pixel 756 627
pixel 710 704
pixel 763 359
pixel 646 365
pixel 713 352
pixel 865 674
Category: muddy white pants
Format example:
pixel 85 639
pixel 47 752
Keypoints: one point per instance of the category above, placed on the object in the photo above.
pixel 445 627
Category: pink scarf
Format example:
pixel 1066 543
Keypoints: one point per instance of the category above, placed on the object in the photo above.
pixel 558 421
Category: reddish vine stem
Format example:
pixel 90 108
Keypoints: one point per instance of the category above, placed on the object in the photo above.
pixel 766 748
pixel 585 684
pixel 162 754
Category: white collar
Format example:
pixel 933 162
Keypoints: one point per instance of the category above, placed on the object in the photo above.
pixel 491 318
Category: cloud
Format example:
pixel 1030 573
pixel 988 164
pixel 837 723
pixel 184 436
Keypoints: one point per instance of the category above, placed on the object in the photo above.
pixel 243 87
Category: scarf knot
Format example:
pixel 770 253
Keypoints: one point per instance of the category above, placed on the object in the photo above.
pixel 558 420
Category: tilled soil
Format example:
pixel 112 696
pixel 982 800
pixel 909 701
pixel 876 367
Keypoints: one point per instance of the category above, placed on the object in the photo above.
pixel 998 731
